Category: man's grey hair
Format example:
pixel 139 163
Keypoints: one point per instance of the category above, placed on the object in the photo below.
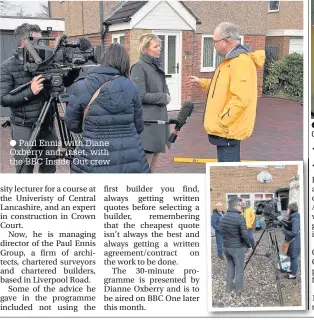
pixel 233 202
pixel 25 30
pixel 228 30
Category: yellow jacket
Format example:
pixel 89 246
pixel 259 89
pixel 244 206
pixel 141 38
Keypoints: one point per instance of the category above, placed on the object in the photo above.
pixel 249 217
pixel 232 95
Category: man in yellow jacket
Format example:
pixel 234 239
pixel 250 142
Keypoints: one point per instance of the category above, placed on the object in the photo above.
pixel 250 220
pixel 232 93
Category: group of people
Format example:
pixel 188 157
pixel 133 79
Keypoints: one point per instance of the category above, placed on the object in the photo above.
pixel 121 97
pixel 234 231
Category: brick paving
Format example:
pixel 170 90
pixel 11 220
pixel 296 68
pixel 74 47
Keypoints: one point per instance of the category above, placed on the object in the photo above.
pixel 278 135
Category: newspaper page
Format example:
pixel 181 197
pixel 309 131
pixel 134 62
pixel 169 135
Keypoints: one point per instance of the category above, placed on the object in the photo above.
pixel 190 125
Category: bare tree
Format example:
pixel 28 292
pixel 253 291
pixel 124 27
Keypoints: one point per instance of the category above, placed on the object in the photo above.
pixel 44 11
pixel 22 14
pixel 8 8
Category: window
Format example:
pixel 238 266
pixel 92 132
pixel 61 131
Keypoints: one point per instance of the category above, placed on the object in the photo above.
pixel 273 6
pixel 251 199
pixel 118 38
pixel 209 57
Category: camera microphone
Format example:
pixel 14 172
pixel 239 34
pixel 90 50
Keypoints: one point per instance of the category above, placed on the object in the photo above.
pixel 184 114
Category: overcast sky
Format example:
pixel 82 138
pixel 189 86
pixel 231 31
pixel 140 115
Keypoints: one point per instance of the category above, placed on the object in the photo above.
pixel 30 7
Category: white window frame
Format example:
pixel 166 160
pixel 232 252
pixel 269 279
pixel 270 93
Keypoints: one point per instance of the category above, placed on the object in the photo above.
pixel 210 69
pixel 276 10
pixel 117 36
pixel 252 196
pixel 280 166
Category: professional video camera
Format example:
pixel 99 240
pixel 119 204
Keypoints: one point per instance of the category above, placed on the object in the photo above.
pixel 271 212
pixel 55 64
pixel 59 66
pixel 38 57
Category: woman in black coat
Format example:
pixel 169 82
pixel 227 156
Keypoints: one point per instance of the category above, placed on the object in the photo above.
pixel 113 123
pixel 293 237
pixel 151 81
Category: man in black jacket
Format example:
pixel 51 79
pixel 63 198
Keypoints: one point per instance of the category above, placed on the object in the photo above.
pixel 26 106
pixel 235 238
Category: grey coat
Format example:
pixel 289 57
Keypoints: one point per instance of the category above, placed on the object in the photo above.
pixel 151 81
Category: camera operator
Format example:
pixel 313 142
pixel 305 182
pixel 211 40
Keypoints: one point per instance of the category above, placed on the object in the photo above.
pixel 26 105
pixel 293 238
pixel 235 238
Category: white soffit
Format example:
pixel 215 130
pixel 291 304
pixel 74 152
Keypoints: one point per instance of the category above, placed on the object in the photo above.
pixel 120 26
pixel 9 23
pixel 285 33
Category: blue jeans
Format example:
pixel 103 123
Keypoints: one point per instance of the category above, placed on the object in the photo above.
pixel 228 153
pixel 294 265
pixel 219 242
pixel 251 238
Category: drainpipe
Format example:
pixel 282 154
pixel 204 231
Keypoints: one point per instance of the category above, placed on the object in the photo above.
pixel 101 21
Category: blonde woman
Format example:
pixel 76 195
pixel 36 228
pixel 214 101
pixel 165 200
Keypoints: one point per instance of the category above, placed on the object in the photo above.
pixel 151 81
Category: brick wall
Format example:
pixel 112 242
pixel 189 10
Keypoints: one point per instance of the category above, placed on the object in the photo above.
pixel 108 39
pixel 54 34
pixel 282 43
pixel 134 36
pixel 257 43
pixel 244 181
pixel 198 95
pixel 187 64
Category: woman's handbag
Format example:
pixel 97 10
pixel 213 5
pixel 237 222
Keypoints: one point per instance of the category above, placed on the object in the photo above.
pixel 285 246
pixel 95 95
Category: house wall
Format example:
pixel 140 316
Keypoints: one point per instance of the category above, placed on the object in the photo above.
pixel 81 17
pixel 244 180
pixel 289 16
pixel 252 17
pixel 282 43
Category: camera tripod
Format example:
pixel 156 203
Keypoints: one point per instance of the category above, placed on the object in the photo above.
pixel 274 254
pixel 68 139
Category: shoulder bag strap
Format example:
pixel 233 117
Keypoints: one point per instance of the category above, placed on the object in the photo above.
pixel 95 95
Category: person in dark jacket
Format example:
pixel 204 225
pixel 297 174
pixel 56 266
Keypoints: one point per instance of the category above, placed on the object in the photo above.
pixel 113 123
pixel 26 105
pixel 235 238
pixel 215 223
pixel 151 81
pixel 293 237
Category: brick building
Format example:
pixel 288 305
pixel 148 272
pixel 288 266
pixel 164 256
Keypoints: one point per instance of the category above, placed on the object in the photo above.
pixel 186 29
pixel 253 183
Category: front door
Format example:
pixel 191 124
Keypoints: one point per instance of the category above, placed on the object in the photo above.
pixel 170 63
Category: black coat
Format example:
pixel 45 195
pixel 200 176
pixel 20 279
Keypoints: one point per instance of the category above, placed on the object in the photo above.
pixel 24 105
pixel 295 245
pixel 151 81
pixel 115 116
pixel 233 230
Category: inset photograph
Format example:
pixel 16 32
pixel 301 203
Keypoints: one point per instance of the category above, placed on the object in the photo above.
pixel 256 244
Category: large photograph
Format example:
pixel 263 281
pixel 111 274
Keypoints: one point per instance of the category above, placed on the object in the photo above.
pixel 149 86
pixel 257 237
